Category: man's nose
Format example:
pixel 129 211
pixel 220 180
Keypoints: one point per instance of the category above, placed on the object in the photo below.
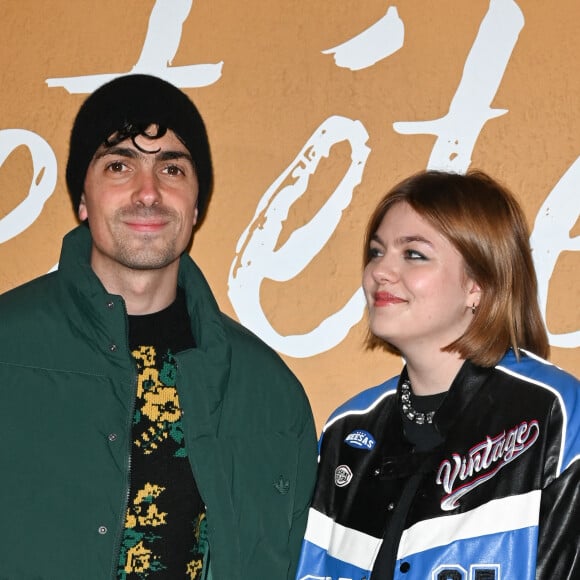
pixel 147 192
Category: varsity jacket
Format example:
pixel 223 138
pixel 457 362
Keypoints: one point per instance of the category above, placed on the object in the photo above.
pixel 498 499
pixel 67 392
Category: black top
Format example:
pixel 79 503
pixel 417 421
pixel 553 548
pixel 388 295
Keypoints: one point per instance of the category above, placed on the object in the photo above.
pixel 423 438
pixel 165 518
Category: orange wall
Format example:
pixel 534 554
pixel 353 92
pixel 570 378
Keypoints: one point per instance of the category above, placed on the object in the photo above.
pixel 271 86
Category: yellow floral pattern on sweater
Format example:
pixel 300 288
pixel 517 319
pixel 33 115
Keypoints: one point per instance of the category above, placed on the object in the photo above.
pixel 157 420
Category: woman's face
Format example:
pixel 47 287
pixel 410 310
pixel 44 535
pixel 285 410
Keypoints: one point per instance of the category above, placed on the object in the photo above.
pixel 418 293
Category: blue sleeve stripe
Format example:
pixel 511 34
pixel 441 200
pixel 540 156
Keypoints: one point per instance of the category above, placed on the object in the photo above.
pixel 356 407
pixel 316 564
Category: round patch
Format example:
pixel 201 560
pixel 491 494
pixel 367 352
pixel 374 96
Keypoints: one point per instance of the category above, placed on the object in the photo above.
pixel 342 475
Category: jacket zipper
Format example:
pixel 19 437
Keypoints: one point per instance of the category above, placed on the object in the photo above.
pixel 121 528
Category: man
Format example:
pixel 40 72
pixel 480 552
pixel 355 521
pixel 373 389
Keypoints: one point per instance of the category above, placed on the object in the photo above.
pixel 143 433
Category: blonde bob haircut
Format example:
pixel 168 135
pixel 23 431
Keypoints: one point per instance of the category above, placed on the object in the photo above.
pixel 486 225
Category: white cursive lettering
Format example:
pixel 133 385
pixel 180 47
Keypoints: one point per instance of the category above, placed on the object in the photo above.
pixel 483 461
pixel 42 184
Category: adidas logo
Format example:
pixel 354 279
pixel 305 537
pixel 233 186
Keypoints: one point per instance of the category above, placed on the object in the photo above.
pixel 282 485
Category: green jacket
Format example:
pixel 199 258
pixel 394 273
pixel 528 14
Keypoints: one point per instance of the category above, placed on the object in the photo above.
pixel 67 390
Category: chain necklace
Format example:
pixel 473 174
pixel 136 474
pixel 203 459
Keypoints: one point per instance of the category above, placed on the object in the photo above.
pixel 412 414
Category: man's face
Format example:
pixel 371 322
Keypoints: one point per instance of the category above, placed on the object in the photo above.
pixel 141 205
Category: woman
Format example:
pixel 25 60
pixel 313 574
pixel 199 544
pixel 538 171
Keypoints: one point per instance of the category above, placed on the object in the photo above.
pixel 463 467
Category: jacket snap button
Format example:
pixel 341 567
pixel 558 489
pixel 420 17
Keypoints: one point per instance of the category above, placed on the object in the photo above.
pixel 405 567
pixel 112 436
pixel 102 530
pixel 113 347
pixel 390 506
pixel 110 305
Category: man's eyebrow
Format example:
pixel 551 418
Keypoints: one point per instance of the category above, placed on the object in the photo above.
pixel 120 151
pixel 169 155
pixel 135 154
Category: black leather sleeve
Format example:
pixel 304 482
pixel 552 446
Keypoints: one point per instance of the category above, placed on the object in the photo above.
pixel 559 542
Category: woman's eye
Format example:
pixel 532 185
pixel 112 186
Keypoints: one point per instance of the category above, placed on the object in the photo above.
pixel 414 255
pixel 374 252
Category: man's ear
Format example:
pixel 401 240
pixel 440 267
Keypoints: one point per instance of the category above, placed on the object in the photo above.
pixel 82 211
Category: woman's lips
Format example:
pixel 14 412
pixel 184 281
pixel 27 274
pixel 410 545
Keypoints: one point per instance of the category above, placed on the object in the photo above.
pixel 386 299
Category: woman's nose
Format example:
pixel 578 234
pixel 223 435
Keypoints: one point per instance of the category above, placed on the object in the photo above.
pixel 384 270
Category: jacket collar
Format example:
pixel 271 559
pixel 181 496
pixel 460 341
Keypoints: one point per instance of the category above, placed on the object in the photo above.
pixel 466 384
pixel 98 322
pixel 86 288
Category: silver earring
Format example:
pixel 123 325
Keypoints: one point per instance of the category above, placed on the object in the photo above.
pixel 473 308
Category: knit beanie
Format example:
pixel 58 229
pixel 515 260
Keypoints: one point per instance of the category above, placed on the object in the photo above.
pixel 139 100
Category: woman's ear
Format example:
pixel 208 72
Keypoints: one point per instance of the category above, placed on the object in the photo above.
pixel 473 294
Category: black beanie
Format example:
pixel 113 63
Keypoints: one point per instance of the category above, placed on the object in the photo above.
pixel 140 100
